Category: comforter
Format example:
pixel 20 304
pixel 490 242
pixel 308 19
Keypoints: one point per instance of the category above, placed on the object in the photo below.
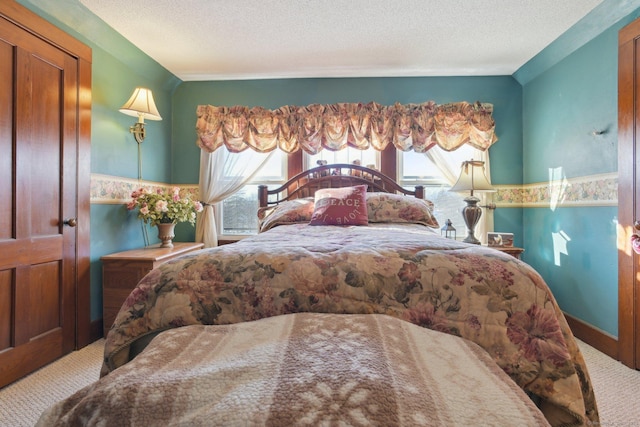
pixel 303 369
pixel 404 271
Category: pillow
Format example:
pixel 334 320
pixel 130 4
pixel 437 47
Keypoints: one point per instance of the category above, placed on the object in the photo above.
pixel 340 206
pixel 288 212
pixel 389 207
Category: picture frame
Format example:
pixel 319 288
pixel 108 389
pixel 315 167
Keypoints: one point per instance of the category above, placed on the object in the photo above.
pixel 499 239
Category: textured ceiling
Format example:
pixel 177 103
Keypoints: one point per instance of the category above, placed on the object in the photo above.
pixel 258 39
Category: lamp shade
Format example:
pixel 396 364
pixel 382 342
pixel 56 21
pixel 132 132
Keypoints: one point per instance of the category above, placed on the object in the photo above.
pixel 141 105
pixel 472 178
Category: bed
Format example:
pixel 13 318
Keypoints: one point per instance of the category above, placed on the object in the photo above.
pixel 348 307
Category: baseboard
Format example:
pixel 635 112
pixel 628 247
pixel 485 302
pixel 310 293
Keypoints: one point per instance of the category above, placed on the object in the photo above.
pixel 593 336
pixel 96 330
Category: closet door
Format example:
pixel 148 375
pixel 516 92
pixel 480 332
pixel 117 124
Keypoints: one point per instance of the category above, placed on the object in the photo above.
pixel 628 194
pixel 39 128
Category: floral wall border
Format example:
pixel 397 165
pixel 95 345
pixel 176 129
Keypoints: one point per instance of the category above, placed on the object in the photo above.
pixel 115 190
pixel 593 190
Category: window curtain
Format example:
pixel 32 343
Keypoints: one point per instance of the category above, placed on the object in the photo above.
pixel 451 171
pixel 221 175
pixel 312 128
pixel 417 127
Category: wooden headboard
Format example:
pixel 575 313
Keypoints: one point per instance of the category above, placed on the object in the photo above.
pixel 337 175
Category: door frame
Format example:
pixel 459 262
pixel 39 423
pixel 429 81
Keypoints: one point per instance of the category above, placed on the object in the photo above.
pixel 628 209
pixel 41 28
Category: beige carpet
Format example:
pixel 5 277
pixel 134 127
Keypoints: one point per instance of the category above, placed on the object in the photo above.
pixel 617 387
pixel 22 402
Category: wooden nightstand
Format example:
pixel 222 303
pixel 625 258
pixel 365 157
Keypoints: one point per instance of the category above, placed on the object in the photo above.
pixel 122 271
pixel 513 251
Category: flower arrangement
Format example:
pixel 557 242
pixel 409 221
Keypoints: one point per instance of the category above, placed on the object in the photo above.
pixel 164 207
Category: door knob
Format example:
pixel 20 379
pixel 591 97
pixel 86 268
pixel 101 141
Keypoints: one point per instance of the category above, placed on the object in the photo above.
pixel 71 222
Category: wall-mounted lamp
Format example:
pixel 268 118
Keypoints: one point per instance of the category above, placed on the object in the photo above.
pixel 472 178
pixel 140 105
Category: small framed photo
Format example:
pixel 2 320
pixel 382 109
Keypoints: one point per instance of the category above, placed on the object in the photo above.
pixel 503 240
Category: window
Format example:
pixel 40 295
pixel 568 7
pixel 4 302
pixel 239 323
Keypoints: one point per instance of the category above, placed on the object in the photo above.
pixel 418 169
pixel 348 155
pixel 238 214
pixel 238 217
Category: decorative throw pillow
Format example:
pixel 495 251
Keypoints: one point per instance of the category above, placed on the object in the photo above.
pixel 389 207
pixel 288 212
pixel 340 206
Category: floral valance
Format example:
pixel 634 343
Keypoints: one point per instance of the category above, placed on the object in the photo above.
pixel 415 127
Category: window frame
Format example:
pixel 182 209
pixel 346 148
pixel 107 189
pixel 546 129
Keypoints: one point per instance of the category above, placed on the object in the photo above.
pixel 389 163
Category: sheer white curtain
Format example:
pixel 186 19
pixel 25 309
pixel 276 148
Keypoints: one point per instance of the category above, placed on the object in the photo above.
pixel 450 167
pixel 222 174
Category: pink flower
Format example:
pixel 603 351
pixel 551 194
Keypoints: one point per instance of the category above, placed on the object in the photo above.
pixel 198 206
pixel 409 212
pixel 175 194
pixel 538 335
pixel 162 206
pixel 409 273
pixel 425 315
pixel 473 322
pixel 137 296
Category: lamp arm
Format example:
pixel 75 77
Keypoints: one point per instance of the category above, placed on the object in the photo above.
pixel 138 132
pixel 138 129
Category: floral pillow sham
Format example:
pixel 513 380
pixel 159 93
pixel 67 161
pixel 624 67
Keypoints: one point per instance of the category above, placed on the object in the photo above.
pixel 381 207
pixel 288 212
pixel 389 207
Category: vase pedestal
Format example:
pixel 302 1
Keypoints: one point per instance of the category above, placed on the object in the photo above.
pixel 166 234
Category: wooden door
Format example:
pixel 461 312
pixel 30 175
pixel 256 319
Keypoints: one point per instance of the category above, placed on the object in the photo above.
pixel 628 197
pixel 40 109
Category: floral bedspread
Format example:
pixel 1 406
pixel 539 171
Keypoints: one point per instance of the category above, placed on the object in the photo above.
pixel 405 271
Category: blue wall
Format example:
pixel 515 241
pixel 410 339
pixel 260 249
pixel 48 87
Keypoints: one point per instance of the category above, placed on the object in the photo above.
pixel 544 116
pixel 575 248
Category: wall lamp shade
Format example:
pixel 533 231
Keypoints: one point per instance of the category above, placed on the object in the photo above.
pixel 472 178
pixel 142 106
